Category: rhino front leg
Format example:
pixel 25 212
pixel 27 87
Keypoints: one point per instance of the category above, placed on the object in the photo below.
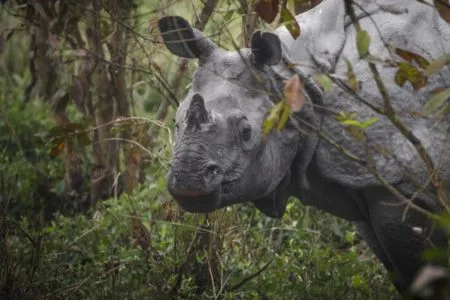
pixel 368 234
pixel 401 243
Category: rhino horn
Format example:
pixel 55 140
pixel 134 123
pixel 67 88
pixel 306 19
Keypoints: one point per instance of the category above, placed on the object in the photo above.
pixel 197 113
pixel 183 40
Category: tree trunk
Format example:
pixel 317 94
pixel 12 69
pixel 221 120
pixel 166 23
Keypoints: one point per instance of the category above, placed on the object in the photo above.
pixel 45 67
pixel 120 13
pixel 105 151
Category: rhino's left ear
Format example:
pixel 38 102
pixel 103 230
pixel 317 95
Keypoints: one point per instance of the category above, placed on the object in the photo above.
pixel 183 40
pixel 266 48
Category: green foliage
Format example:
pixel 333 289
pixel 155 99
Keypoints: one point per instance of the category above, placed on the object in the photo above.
pixel 325 82
pixel 102 255
pixel 362 43
pixel 437 102
pixel 25 163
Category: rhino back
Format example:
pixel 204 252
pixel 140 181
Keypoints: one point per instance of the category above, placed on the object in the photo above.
pixel 420 30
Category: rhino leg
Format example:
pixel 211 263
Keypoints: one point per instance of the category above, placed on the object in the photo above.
pixel 368 234
pixel 401 243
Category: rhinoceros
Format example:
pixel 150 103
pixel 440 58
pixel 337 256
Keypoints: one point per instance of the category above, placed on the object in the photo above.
pixel 222 157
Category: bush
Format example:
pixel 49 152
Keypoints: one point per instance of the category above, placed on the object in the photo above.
pixel 140 246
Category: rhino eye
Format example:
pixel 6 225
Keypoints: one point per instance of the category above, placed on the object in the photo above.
pixel 246 131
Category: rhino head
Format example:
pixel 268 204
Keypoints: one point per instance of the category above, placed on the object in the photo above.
pixel 220 156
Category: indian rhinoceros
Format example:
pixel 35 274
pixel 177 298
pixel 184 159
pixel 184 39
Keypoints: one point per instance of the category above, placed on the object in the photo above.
pixel 220 156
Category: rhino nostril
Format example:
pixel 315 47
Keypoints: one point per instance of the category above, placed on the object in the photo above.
pixel 212 170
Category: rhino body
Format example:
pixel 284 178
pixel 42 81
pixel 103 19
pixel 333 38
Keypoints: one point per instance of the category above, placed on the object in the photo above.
pixel 221 158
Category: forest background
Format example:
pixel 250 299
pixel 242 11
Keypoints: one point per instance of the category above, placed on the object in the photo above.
pixel 87 99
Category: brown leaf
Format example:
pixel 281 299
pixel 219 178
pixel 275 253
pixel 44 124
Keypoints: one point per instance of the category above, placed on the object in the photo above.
pixel 428 278
pixel 267 9
pixel 443 9
pixel 420 82
pixel 57 149
pixel 411 56
pixel 294 94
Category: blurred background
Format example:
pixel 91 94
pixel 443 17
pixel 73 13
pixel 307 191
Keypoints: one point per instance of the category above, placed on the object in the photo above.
pixel 87 99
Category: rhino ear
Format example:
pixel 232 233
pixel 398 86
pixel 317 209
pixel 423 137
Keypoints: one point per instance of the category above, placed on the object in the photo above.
pixel 183 40
pixel 266 48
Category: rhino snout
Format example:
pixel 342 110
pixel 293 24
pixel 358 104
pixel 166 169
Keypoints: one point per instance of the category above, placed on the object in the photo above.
pixel 196 191
pixel 183 182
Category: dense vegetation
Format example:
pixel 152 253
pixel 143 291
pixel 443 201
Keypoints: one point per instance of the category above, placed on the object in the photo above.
pixel 87 97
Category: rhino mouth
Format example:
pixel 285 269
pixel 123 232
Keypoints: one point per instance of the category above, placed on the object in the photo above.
pixel 200 203
pixel 208 202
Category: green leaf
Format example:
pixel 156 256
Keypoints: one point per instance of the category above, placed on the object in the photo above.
pixel 362 43
pixel 436 65
pixel 272 118
pixel 369 122
pixel 351 123
pixel 59 187
pixel 290 22
pixel 351 77
pixel 358 282
pixel 373 59
pixel 400 78
pixel 345 116
pixel 407 72
pixel 437 101
pixel 324 80
pixel 350 236
pixel 284 115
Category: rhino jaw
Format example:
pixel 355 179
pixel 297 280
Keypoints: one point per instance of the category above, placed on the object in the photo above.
pixel 199 203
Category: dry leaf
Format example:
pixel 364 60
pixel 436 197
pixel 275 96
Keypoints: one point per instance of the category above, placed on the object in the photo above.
pixel 428 280
pixel 267 9
pixel 294 94
pixel 57 149
pixel 443 9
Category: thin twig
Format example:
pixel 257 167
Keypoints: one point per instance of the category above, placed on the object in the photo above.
pixel 247 279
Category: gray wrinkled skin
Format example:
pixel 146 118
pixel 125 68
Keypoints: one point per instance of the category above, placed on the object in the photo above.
pixel 220 157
